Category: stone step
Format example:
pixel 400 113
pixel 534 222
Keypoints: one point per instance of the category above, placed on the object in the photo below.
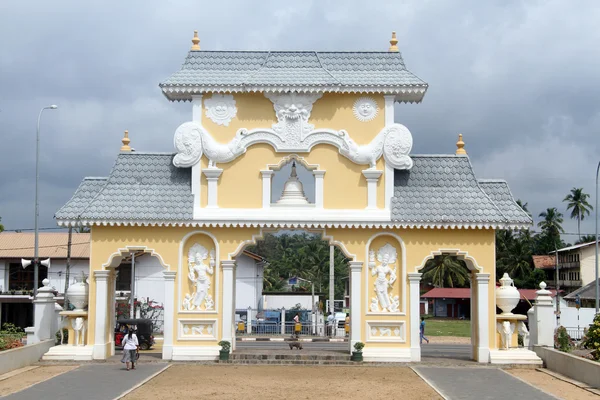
pixel 289 357
pixel 288 362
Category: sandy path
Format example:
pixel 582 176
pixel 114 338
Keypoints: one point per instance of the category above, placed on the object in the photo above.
pixel 549 384
pixel 282 381
pixel 31 377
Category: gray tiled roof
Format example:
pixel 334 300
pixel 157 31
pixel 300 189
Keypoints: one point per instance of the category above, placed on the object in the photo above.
pixel 444 190
pixel 206 71
pixel 499 192
pixel 141 186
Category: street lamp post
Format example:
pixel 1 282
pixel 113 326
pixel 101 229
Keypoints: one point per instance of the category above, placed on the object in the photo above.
pixel 36 259
pixel 596 237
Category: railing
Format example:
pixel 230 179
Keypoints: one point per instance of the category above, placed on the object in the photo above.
pixel 572 264
pixel 575 333
pixel 260 328
pixel 569 283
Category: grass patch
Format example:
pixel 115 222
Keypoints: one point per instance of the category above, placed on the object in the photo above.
pixel 448 327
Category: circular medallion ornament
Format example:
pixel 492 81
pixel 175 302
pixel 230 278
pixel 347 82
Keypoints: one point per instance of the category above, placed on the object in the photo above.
pixel 365 109
pixel 397 145
pixel 220 108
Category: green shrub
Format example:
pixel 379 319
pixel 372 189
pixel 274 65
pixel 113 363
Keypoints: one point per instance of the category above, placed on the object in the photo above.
pixel 358 346
pixel 562 341
pixel 592 338
pixel 225 345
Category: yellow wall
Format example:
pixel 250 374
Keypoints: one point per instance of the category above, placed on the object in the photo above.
pixel 332 111
pixel 165 241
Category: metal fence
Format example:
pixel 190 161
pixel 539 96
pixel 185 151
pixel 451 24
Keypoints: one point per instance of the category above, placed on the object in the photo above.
pixel 575 333
pixel 269 323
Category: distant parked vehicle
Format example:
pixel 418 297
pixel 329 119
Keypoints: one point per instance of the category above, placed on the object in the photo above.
pixel 143 331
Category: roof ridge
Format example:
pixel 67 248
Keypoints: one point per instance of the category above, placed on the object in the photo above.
pixel 326 70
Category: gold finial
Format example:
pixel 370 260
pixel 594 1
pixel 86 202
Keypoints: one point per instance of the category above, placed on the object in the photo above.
pixel 196 41
pixel 460 145
pixel 126 141
pixel 393 43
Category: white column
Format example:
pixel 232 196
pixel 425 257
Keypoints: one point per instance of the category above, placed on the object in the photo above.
pixel 169 312
pixel 414 279
pixel 212 176
pixel 389 109
pixel 372 176
pixel 43 314
pixel 266 187
pixel 249 321
pixel 544 317
pixel 197 108
pixel 112 290
pixel 227 268
pixel 100 339
pixel 483 318
pixel 283 320
pixel 319 175
pixel 355 302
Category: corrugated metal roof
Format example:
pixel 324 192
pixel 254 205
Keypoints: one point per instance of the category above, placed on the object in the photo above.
pixel 51 245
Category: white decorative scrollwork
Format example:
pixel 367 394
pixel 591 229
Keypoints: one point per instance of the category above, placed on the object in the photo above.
pixel 220 108
pixel 192 141
pixel 383 302
pixel 197 329
pixel 385 331
pixel 198 274
pixel 293 111
pixel 365 109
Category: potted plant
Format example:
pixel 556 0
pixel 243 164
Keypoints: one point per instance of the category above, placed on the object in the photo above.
pixel 357 353
pixel 224 352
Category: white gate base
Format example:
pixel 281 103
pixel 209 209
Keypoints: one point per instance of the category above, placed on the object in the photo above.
pixel 387 354
pixel 196 353
pixel 69 352
pixel 514 356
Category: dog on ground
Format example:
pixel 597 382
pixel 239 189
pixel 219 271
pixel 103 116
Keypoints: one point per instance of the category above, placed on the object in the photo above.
pixel 297 344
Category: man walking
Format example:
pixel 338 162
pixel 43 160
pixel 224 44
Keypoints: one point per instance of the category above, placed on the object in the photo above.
pixel 330 324
pixel 422 330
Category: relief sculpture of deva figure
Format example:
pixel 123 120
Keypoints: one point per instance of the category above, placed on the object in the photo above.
pixel 198 274
pixel 386 256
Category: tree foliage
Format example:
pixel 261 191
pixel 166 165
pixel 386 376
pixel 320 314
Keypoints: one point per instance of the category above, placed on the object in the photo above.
pixel 586 239
pixel 1 226
pixel 577 203
pixel 300 255
pixel 446 271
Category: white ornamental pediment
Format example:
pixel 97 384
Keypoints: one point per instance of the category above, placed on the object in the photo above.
pixel 192 140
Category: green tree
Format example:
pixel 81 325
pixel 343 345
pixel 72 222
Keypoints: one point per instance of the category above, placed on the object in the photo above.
pixel 446 271
pixel 586 239
pixel 551 225
pixel 1 226
pixel 577 203
pixel 523 206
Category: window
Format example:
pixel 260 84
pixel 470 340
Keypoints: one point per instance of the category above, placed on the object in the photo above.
pixel 123 277
pixel 20 278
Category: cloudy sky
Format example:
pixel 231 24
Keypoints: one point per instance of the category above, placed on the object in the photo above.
pixel 519 79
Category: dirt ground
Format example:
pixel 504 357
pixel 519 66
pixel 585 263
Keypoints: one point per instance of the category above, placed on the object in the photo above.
pixel 28 378
pixel 447 340
pixel 552 385
pixel 282 381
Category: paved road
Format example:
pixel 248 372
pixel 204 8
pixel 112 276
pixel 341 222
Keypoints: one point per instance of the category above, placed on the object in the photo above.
pixel 459 383
pixel 89 382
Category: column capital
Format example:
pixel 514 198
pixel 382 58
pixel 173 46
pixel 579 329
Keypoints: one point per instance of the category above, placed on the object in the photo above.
pixel 372 174
pixel 481 277
pixel 414 276
pixel 228 265
pixel 267 173
pixel 318 172
pixel 356 266
pixel 212 173
pixel 102 275
pixel 169 275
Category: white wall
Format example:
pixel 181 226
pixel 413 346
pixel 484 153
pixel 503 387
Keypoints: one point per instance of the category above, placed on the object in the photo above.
pixel 288 301
pixel 587 265
pixel 3 275
pixel 23 356
pixel 568 316
pixel 149 279
pixel 248 282
pixel 58 268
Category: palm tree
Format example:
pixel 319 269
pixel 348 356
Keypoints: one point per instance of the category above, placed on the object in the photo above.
pixel 577 201
pixel 446 270
pixel 1 226
pixel 586 239
pixel 551 224
pixel 523 206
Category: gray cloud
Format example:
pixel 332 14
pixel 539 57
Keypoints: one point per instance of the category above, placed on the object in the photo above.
pixel 518 79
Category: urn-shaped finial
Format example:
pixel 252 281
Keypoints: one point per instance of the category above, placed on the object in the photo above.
pixel 78 293
pixel 507 295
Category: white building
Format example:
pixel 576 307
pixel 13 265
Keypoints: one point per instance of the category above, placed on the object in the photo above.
pixel 249 280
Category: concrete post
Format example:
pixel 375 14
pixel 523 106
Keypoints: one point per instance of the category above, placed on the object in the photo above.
pixel 44 315
pixel 283 321
pixel 414 279
pixel 57 317
pixel 227 267
pixel 169 312
pixel 100 339
pixel 532 328
pixel 544 317
pixel 483 317
pixel 249 321
pixel 356 268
